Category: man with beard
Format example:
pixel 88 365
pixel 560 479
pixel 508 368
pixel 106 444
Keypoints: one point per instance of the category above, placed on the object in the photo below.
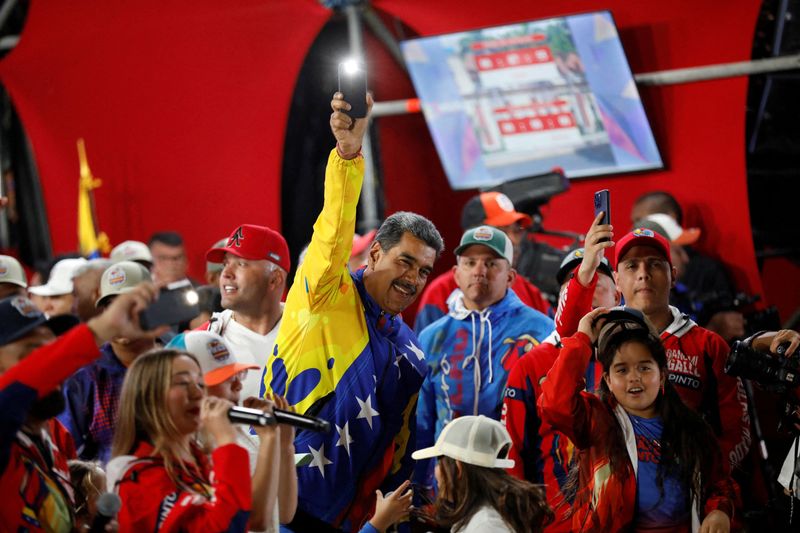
pixel 92 393
pixel 343 352
pixel 34 479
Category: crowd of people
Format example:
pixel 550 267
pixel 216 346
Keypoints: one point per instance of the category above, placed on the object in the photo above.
pixel 495 412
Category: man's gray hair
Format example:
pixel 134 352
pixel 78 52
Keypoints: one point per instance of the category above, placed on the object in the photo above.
pixel 393 228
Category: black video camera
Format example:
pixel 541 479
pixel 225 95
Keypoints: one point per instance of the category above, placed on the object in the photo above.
pixel 774 373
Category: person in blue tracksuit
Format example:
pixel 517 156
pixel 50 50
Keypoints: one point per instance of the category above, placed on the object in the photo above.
pixel 470 351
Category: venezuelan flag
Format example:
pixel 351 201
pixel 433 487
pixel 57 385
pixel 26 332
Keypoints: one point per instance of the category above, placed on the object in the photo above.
pixel 90 242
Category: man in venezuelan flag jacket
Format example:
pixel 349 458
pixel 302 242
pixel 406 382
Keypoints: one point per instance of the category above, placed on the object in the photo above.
pixel 344 354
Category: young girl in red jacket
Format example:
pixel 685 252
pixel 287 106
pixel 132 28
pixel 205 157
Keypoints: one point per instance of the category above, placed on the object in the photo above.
pixel 164 479
pixel 646 462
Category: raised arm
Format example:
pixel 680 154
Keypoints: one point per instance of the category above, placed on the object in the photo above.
pixel 325 266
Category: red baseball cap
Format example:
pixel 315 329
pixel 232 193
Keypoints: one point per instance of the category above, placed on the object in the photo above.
pixel 255 243
pixel 643 237
pixel 492 209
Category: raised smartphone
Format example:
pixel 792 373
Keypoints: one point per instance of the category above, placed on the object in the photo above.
pixel 353 85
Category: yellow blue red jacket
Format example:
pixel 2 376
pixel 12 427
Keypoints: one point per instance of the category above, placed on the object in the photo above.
pixel 340 357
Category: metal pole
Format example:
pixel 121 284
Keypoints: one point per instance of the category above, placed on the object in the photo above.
pixel 664 77
pixel 369 202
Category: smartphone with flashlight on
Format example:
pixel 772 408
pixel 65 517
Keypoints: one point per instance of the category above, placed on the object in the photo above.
pixel 353 86
pixel 602 202
pixel 174 306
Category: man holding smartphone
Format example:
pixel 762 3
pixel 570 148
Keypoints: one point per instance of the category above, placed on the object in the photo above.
pixel 344 353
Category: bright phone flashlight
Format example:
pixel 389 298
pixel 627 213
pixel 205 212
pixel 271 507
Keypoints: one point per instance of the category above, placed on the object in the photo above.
pixel 192 297
pixel 350 66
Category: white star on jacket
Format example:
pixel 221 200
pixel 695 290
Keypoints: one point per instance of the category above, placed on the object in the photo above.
pixel 414 348
pixel 366 410
pixel 344 437
pixel 319 460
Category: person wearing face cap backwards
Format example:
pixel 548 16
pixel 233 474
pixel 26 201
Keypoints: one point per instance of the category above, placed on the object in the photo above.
pixel 34 479
pixel 344 354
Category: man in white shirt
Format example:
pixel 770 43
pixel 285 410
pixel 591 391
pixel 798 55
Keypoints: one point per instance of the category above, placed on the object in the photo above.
pixel 256 264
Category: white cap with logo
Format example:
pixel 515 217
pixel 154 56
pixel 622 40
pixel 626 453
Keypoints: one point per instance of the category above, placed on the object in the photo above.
pixel 11 271
pixel 217 362
pixel 121 278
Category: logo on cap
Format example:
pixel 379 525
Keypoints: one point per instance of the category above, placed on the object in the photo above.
pixel 643 232
pixel 236 238
pixel 505 203
pixel 25 307
pixel 275 257
pixel 218 351
pixel 483 234
pixel 3 268
pixel 578 254
pixel 116 277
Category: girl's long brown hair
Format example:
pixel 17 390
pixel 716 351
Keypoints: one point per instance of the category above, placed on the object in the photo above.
pixel 521 504
pixel 143 414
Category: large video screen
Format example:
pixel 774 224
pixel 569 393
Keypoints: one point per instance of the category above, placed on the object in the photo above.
pixel 515 101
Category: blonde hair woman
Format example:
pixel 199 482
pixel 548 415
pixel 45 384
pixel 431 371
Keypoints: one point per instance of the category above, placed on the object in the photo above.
pixel 163 477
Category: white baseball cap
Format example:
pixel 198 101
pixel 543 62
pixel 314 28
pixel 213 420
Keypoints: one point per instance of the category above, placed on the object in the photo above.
pixel 217 362
pixel 11 271
pixel 60 281
pixel 475 440
pixel 121 278
pixel 131 251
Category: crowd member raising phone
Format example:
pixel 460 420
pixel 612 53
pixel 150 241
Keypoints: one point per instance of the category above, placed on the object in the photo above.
pixel 645 460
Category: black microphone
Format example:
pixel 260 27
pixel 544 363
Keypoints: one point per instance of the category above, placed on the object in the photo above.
pixel 108 505
pixel 253 417
pixel 311 423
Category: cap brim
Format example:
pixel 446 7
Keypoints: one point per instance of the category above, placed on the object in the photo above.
pixel 426 453
pixel 218 375
pixel 49 290
pixel 567 269
pixel 689 236
pixel 507 218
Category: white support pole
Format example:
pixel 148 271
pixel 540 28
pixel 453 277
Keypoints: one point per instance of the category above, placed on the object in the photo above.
pixel 664 77
pixel 369 199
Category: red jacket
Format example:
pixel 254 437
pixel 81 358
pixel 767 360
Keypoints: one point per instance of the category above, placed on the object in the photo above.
pixel 541 454
pixel 696 359
pixel 202 501
pixel 606 499
pixel 433 301
pixel 34 481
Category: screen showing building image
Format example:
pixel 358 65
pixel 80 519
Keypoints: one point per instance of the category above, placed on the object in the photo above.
pixel 517 100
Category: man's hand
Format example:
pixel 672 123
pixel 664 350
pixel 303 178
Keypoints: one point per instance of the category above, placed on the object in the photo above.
pixel 772 340
pixel 594 250
pixel 349 132
pixel 121 318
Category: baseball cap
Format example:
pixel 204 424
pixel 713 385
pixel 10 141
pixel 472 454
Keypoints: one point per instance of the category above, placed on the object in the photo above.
pixel 217 362
pixel 120 278
pixel 255 243
pixel 131 251
pixel 475 440
pixel 668 227
pixel 11 271
pixel 60 281
pixel 642 237
pixel 210 265
pixel 623 318
pixel 573 259
pixel 492 208
pixel 362 242
pixel 20 316
pixel 490 237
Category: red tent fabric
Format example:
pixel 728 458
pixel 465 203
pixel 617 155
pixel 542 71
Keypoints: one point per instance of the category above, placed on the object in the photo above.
pixel 183 107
